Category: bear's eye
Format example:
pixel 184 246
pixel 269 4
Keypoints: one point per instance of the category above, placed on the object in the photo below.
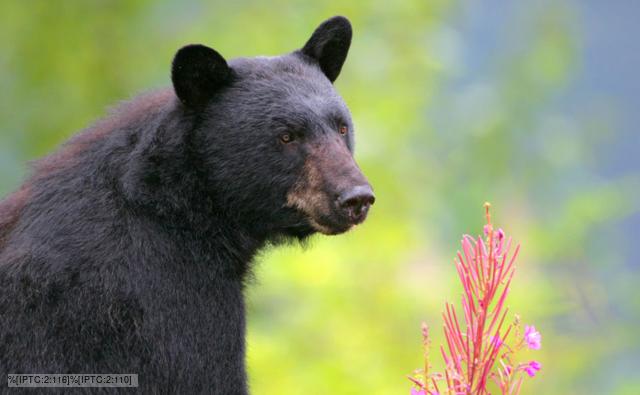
pixel 286 138
pixel 343 129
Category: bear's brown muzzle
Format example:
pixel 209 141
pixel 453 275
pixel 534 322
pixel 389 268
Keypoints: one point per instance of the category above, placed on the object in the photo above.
pixel 332 191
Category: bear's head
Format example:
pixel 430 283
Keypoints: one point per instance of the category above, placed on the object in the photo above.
pixel 275 138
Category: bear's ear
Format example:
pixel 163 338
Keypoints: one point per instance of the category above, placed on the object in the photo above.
pixel 197 72
pixel 329 45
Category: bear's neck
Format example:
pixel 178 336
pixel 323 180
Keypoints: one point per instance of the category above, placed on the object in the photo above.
pixel 211 239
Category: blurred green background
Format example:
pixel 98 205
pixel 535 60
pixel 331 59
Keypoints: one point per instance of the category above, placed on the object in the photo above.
pixel 529 105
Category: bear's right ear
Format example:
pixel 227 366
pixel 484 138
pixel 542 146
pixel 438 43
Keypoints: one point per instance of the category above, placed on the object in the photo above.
pixel 197 72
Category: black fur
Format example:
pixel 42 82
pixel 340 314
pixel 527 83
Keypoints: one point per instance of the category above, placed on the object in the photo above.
pixel 128 249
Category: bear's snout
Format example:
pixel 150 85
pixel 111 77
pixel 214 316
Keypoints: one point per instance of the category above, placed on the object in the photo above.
pixel 355 202
pixel 332 192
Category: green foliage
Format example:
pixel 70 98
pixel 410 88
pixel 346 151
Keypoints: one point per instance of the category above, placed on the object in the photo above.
pixel 342 315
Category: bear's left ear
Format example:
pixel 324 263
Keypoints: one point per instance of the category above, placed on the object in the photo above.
pixel 197 72
pixel 329 45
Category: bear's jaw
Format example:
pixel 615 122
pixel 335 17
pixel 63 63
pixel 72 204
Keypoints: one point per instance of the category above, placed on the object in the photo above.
pixel 325 230
pixel 317 221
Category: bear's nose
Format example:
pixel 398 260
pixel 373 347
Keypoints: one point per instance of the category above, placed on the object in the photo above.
pixel 356 202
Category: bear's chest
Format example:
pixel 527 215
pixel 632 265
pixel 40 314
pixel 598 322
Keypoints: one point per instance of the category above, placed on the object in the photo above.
pixel 194 335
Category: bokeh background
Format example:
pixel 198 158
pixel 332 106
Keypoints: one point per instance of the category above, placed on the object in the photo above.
pixel 532 105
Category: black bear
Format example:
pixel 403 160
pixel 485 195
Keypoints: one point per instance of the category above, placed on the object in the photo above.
pixel 127 250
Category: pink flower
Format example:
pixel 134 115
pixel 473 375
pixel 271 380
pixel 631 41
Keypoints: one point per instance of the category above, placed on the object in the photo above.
pixel 532 337
pixel 417 392
pixel 532 368
pixel 500 234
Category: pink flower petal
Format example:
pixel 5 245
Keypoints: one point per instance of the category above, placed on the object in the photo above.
pixel 532 337
pixel 532 368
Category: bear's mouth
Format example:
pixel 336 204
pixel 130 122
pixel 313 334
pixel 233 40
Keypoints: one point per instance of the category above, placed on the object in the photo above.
pixel 328 219
pixel 302 224
pixel 329 229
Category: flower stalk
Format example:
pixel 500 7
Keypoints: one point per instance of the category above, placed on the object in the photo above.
pixel 481 344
